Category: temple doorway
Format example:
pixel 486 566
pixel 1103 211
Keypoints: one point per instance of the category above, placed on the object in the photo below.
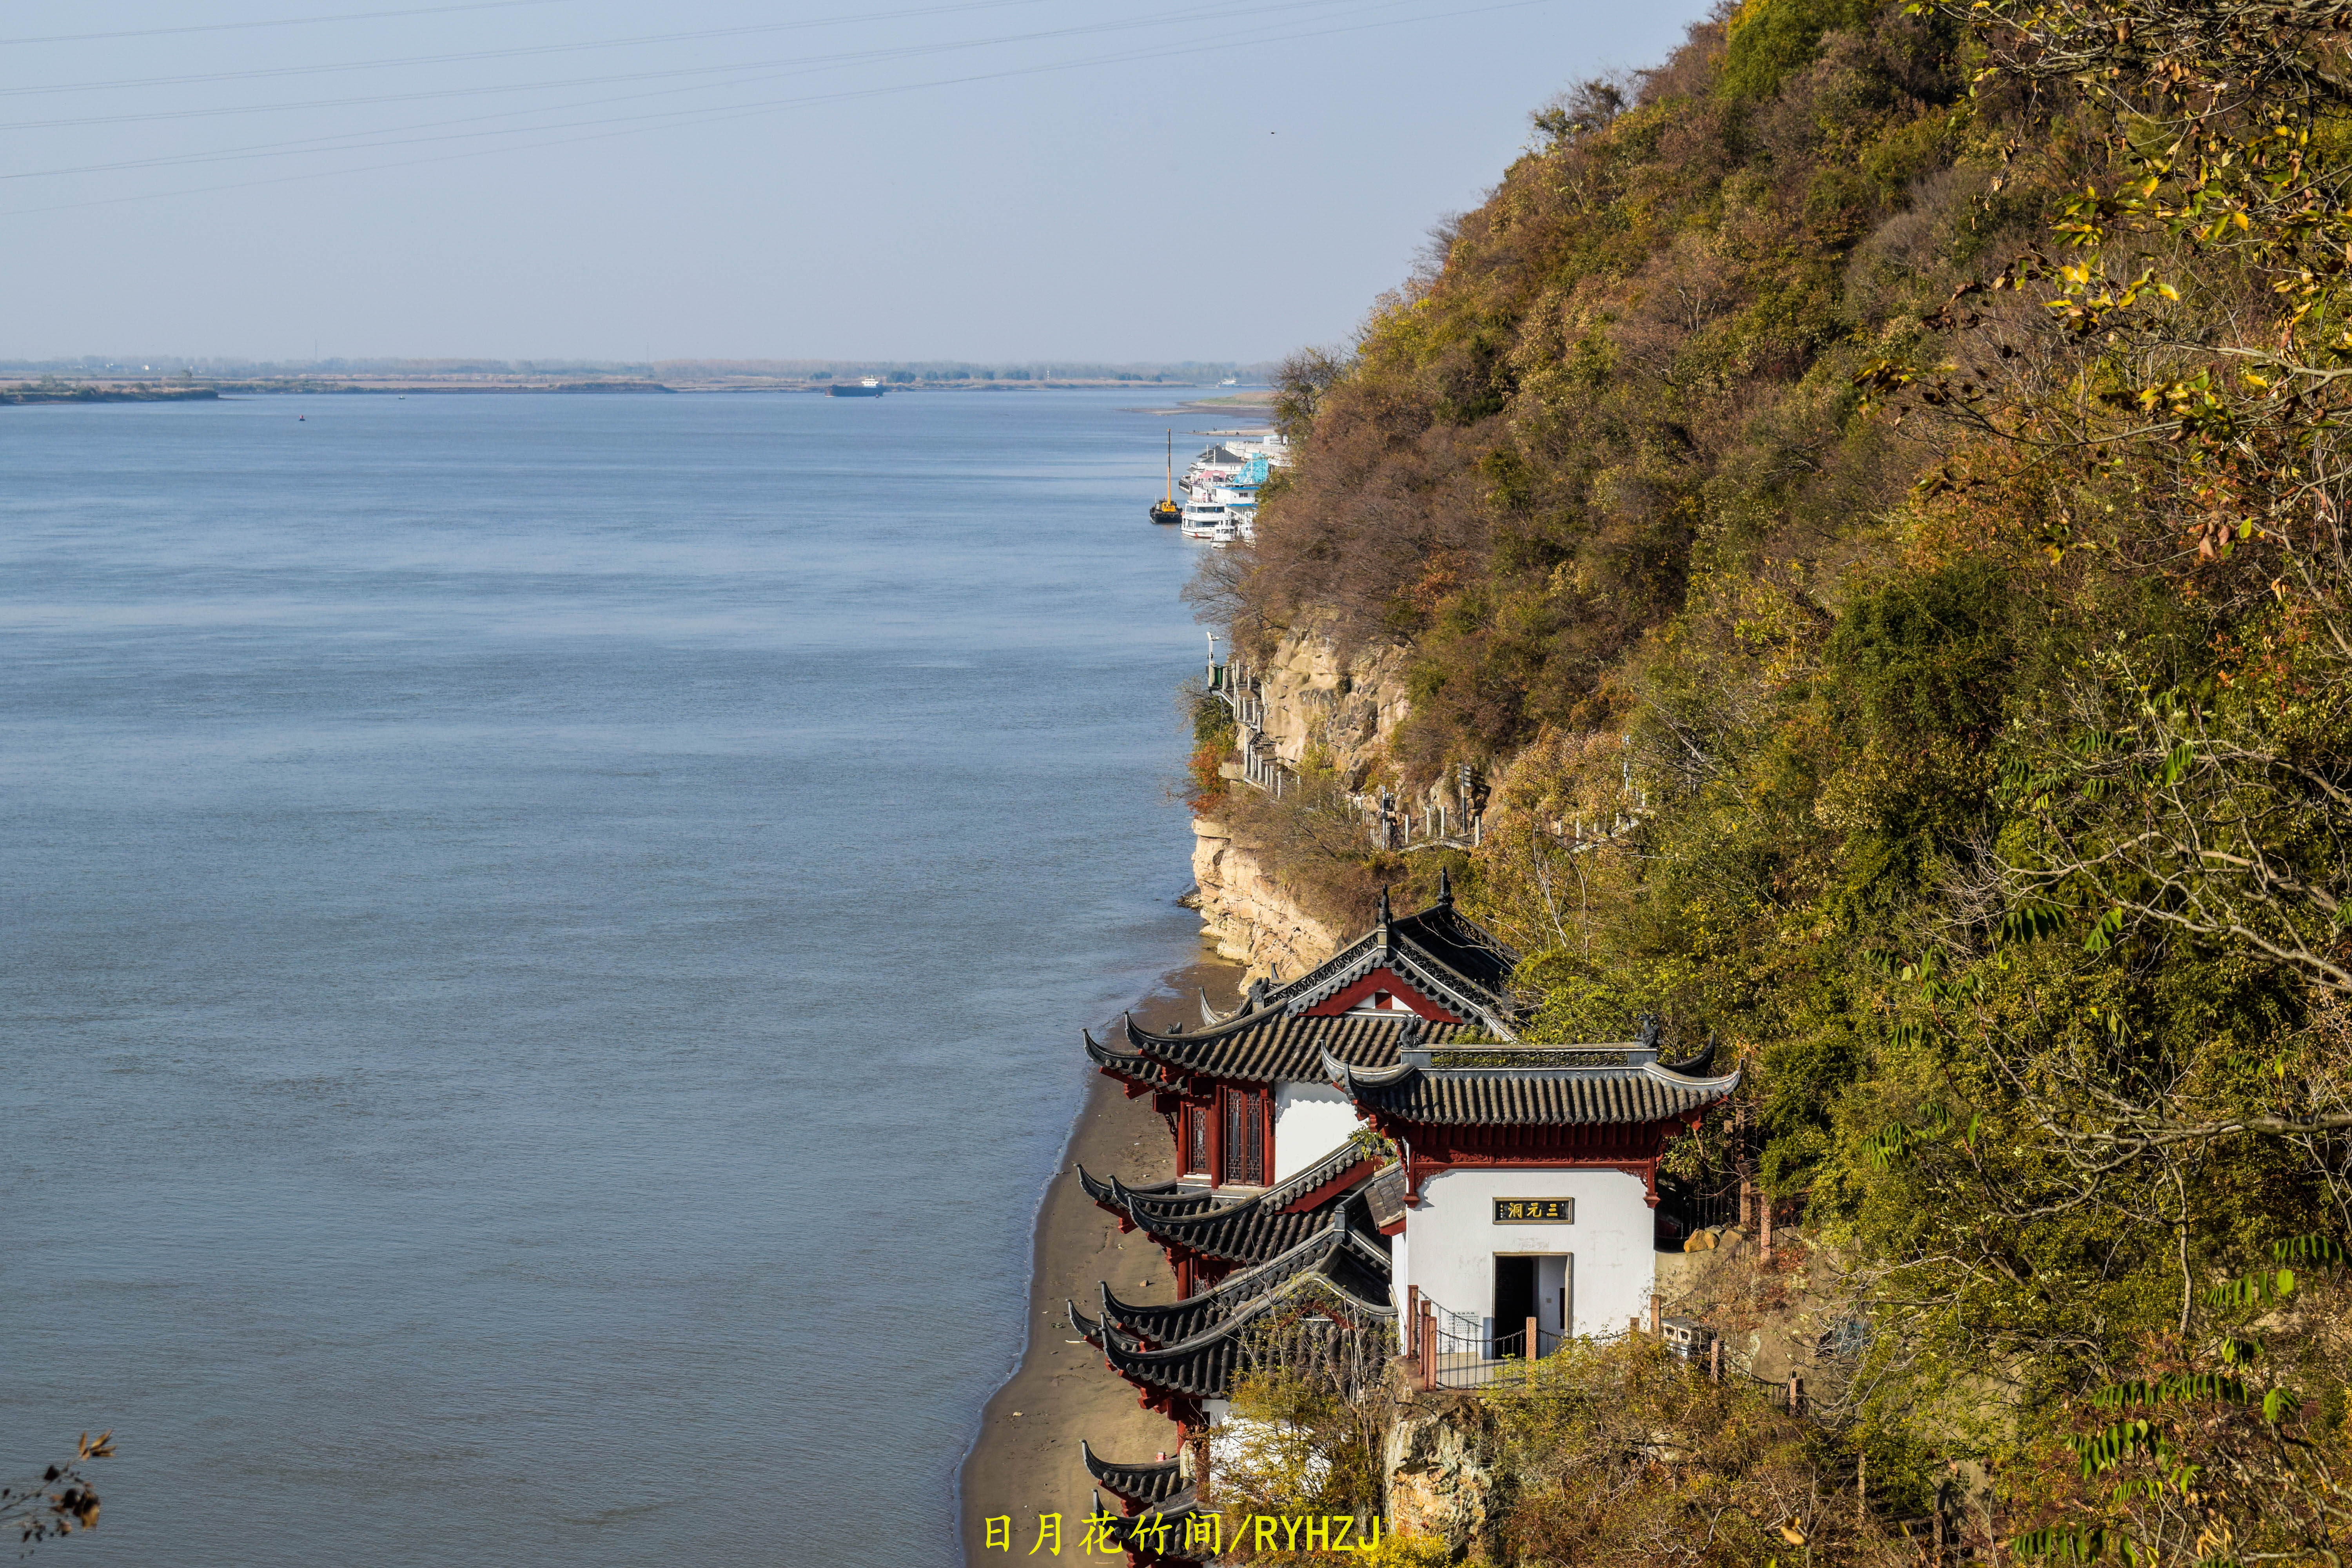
pixel 1515 1302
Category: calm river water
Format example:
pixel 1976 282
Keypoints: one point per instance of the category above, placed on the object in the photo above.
pixel 545 938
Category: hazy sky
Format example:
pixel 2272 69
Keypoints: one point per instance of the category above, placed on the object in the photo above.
pixel 986 180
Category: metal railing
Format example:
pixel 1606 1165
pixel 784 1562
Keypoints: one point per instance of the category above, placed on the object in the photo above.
pixel 1454 1350
pixel 1393 825
pixel 1390 821
pixel 1685 1208
pixel 1244 696
pixel 1242 692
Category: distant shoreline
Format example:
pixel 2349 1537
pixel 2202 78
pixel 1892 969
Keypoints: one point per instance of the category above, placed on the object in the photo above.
pixel 103 392
pixel 107 394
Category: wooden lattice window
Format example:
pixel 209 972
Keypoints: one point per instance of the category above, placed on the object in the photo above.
pixel 1244 1140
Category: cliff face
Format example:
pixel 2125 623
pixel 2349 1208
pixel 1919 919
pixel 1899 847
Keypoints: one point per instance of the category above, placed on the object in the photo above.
pixel 1318 710
pixel 1441 1477
pixel 1245 915
pixel 1336 712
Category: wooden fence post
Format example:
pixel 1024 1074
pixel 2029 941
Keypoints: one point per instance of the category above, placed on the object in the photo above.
pixel 1533 1351
pixel 1428 1347
pixel 1714 1359
pixel 1413 1320
pixel 1654 1317
pixel 1764 1224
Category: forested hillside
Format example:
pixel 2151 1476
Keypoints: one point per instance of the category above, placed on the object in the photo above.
pixel 1889 458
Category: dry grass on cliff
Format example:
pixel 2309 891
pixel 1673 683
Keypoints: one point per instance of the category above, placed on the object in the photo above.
pixel 1623 1456
pixel 1314 845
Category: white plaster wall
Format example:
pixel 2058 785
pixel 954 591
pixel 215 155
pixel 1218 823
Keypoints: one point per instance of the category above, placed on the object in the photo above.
pixel 1399 1275
pixel 1450 1241
pixel 1310 1119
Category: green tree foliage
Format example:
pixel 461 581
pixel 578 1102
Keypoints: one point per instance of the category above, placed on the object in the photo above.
pixel 1873 490
pixel 1625 1458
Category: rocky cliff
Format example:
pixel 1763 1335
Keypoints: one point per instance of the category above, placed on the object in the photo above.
pixel 1315 710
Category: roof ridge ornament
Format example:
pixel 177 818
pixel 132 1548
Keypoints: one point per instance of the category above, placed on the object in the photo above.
pixel 1444 889
pixel 1385 917
pixel 1650 1030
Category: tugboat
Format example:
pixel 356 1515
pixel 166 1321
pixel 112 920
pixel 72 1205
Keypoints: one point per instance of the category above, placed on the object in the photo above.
pixel 869 387
pixel 1167 510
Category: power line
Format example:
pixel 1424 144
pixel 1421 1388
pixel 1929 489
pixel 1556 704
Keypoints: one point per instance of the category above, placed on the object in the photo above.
pixel 513 52
pixel 300 146
pixel 736 67
pixel 706 117
pixel 279 22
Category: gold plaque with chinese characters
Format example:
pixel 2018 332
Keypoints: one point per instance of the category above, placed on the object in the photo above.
pixel 1535 1211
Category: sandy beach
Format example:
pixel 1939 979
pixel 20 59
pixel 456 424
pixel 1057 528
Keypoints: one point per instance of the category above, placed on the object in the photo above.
pixel 1025 1460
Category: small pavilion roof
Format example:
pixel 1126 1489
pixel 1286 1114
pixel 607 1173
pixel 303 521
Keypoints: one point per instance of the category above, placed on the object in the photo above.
pixel 1203 1365
pixel 1531 1086
pixel 1338 1252
pixel 1143 1205
pixel 1248 1230
pixel 1145 1486
pixel 1252 1231
pixel 1439 947
pixel 1130 1066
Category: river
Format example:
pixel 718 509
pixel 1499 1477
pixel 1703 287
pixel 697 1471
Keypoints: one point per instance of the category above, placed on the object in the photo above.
pixel 545 940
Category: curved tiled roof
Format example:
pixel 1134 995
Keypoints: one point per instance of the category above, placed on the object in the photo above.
pixel 1203 1365
pixel 1455 959
pixel 1165 1201
pixel 1272 1045
pixel 1358 1265
pixel 1143 1484
pixel 1462 946
pixel 1335 1166
pixel 1159 1199
pixel 1252 1231
pixel 1532 1095
pixel 1136 1069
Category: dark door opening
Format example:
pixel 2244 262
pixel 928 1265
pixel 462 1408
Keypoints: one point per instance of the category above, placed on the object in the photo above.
pixel 1515 1303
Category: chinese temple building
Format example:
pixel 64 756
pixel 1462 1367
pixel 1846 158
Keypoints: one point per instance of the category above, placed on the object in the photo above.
pixel 1529 1173
pixel 1374 1134
pixel 1245 1096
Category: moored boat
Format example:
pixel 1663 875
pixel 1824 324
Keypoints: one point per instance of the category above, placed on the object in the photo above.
pixel 1166 509
pixel 1208 520
pixel 869 387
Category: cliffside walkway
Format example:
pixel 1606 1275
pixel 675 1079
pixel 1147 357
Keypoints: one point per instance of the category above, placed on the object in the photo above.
pixel 1389 821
